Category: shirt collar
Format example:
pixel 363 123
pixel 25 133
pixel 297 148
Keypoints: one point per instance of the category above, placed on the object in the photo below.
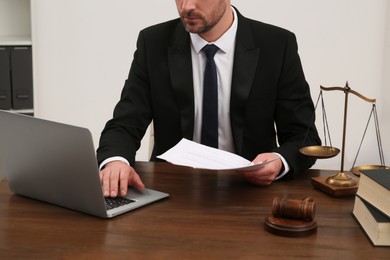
pixel 224 43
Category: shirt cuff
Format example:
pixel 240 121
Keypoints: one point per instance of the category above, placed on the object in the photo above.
pixel 111 159
pixel 286 167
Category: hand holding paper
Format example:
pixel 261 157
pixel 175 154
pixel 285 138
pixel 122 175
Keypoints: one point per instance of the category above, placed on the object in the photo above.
pixel 192 154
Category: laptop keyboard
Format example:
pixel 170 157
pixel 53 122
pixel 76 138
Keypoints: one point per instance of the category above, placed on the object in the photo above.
pixel 112 203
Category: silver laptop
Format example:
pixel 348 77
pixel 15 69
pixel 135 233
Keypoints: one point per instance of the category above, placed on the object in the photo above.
pixel 56 163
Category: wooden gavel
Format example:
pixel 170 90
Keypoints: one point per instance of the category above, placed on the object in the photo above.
pixel 295 209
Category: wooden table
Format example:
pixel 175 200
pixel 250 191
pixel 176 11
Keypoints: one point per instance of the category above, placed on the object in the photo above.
pixel 209 215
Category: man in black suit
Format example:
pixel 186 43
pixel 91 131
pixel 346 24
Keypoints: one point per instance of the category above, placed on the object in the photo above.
pixel 264 104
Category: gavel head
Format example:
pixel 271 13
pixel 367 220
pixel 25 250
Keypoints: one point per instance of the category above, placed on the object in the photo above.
pixel 295 209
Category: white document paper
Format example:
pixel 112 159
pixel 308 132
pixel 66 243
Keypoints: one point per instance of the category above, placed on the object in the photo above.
pixel 195 155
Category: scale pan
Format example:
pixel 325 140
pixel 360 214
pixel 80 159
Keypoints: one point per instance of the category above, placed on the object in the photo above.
pixel 356 170
pixel 318 151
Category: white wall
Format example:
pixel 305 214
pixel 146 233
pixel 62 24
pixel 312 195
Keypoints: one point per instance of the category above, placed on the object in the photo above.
pixel 82 55
pixel 385 93
pixel 83 50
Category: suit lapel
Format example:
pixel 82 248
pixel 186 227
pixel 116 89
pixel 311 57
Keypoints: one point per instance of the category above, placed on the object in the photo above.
pixel 180 67
pixel 246 58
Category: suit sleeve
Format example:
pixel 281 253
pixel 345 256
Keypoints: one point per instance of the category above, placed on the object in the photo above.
pixel 294 111
pixel 122 134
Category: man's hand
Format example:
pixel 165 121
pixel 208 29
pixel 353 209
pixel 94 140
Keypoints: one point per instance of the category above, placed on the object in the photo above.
pixel 119 174
pixel 265 175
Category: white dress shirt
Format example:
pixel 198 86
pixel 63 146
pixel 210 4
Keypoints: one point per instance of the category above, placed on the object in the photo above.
pixel 224 63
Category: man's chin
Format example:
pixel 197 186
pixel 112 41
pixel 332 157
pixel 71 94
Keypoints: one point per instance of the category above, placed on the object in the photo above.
pixel 192 28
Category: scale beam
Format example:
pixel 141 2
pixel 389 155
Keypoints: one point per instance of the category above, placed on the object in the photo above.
pixel 347 89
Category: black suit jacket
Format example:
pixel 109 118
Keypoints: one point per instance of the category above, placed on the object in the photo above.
pixel 270 108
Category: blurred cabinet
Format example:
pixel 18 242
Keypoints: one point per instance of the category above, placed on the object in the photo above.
pixel 16 69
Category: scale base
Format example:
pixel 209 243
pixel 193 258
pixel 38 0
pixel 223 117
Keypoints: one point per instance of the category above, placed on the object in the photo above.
pixel 333 190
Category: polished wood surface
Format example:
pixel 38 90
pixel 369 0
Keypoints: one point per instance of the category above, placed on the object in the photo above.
pixel 209 215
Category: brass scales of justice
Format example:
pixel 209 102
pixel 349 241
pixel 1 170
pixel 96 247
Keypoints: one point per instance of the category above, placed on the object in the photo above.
pixel 342 184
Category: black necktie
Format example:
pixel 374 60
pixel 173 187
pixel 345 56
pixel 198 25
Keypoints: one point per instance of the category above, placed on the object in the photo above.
pixel 210 99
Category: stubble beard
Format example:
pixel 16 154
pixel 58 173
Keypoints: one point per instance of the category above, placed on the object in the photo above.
pixel 205 25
